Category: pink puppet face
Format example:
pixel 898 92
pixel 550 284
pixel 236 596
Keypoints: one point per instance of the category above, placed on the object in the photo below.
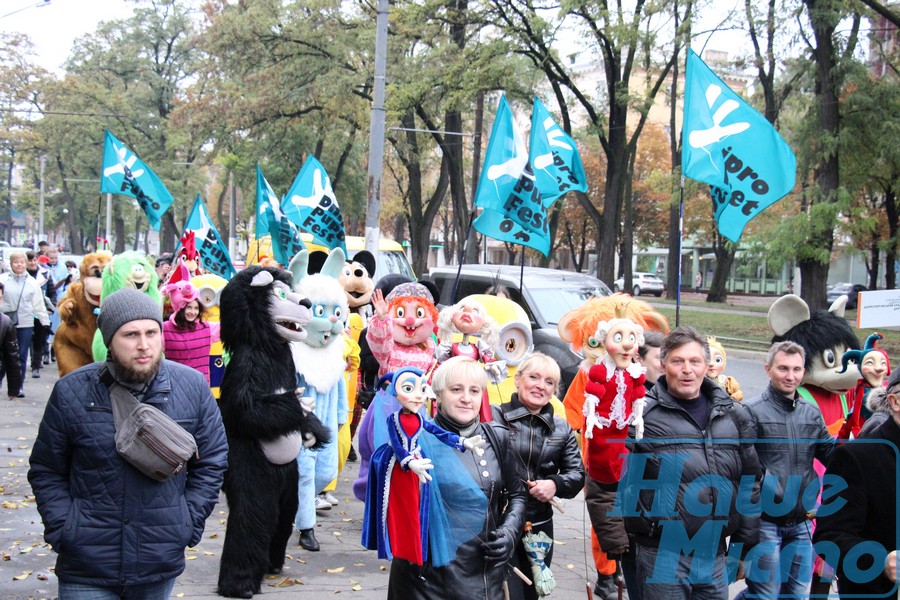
pixel 716 362
pixel 622 342
pixel 874 368
pixel 468 318
pixel 413 322
pixel 412 390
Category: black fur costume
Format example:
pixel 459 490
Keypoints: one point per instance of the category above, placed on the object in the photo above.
pixel 258 404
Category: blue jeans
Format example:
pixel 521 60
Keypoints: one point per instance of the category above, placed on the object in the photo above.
pixel 666 575
pixel 780 566
pixel 151 591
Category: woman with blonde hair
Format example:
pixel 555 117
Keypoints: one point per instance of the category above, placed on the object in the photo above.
pixel 481 562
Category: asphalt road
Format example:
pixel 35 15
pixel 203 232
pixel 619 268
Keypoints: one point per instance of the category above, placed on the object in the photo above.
pixel 341 568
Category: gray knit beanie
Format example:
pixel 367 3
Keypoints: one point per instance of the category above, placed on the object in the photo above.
pixel 123 306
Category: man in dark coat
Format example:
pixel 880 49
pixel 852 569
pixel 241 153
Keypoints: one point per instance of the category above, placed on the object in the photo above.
pixel 856 527
pixel 116 531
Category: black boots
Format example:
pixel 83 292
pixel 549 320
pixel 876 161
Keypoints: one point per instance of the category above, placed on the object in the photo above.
pixel 308 540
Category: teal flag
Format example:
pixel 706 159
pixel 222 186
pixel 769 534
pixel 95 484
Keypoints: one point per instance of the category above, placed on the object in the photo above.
pixel 513 210
pixel 554 157
pixel 729 145
pixel 214 256
pixel 126 175
pixel 286 241
pixel 312 205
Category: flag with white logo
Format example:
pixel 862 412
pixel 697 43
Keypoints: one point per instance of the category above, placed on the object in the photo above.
pixel 732 147
pixel 214 256
pixel 513 210
pixel 554 157
pixel 125 174
pixel 312 206
pixel 286 241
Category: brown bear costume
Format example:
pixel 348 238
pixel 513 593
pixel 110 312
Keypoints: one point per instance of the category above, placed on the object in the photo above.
pixel 75 334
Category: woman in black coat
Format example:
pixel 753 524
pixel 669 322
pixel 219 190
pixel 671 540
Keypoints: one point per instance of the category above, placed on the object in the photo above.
pixel 544 449
pixel 481 563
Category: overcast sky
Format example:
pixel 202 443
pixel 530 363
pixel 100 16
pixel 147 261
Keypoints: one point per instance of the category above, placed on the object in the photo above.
pixel 53 28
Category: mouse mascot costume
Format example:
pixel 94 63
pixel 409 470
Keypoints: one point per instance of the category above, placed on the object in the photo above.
pixel 319 362
pixel 78 323
pixel 266 424
pixel 825 336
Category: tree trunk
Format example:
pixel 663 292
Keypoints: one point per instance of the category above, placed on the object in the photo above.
pixel 872 266
pixel 9 178
pixel 718 289
pixel 890 254
pixel 814 274
pixel 119 228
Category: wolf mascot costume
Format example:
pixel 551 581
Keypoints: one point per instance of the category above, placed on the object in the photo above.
pixel 265 422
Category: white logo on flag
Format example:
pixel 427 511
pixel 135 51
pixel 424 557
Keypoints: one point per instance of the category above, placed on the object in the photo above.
pixel 318 191
pixel 704 137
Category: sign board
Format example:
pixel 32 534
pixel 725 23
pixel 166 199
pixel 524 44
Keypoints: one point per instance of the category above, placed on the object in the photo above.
pixel 880 308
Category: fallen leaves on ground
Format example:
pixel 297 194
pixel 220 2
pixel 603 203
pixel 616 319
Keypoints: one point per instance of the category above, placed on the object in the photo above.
pixel 287 582
pixel 23 576
pixel 336 570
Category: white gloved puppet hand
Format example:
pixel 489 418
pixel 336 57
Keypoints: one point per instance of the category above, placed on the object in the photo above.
pixel 590 415
pixel 474 444
pixel 421 466
pixel 637 418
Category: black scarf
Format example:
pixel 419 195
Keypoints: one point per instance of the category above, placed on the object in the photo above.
pixel 463 429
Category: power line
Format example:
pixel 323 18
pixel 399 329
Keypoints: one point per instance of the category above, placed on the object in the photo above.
pixel 58 112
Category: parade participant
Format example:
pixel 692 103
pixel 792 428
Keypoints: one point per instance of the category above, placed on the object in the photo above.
pixel 187 337
pixel 480 565
pixel 9 354
pixel 863 513
pixel 648 356
pixel 694 422
pixel 545 449
pixel 117 532
pixel 874 367
pixel 41 332
pixel 401 495
pixel 793 434
pixel 78 322
pixel 399 334
pixel 23 303
pixel 61 275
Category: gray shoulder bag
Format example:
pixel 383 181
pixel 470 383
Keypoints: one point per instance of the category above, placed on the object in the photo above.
pixel 146 437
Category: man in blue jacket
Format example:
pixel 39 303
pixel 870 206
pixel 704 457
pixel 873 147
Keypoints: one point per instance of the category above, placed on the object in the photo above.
pixel 119 533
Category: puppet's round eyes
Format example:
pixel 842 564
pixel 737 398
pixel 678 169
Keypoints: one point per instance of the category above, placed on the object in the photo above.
pixel 338 312
pixel 319 310
pixel 718 360
pixel 347 271
pixel 828 358
pixel 279 293
pixel 420 313
pixel 515 343
pixel 208 296
pixel 593 342
pixel 407 387
pixel 617 338
pixel 400 312
pixel 632 338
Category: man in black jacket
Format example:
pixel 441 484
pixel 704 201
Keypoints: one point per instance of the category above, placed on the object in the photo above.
pixel 856 528
pixel 689 479
pixel 10 354
pixel 790 434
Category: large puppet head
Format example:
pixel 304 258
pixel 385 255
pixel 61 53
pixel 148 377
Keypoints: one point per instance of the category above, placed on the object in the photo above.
pixel 717 358
pixel 620 338
pixel 131 269
pixel 329 301
pixel 825 335
pixel 209 290
pixel 873 363
pixel 467 317
pixel 356 279
pixel 579 326
pixel 261 310
pixel 412 313
pixel 91 270
pixel 410 386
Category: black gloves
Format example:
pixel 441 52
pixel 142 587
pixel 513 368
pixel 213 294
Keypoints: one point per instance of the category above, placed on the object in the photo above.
pixel 499 546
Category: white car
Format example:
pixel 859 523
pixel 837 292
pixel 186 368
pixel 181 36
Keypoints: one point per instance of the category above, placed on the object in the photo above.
pixel 642 283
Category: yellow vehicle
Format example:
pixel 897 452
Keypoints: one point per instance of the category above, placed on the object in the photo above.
pixel 391 256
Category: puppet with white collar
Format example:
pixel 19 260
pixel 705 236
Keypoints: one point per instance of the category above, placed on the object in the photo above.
pixel 320 364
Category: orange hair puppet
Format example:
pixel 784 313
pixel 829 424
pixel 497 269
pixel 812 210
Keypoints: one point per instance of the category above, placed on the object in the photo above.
pixel 399 334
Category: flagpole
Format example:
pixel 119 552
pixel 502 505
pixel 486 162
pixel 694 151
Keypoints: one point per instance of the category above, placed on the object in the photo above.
pixel 99 207
pixel 462 255
pixel 108 215
pixel 680 245
pixel 522 272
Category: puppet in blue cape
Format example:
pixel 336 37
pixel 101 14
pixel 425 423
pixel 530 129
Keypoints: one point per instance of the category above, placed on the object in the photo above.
pixel 421 504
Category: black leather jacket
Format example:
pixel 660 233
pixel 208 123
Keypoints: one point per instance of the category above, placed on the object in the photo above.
pixel 470 576
pixel 10 355
pixel 790 434
pixel 676 457
pixel 543 447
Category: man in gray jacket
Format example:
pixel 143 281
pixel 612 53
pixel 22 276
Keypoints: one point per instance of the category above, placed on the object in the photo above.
pixel 790 433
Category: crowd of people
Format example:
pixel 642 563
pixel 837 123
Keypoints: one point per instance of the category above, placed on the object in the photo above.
pixel 688 485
